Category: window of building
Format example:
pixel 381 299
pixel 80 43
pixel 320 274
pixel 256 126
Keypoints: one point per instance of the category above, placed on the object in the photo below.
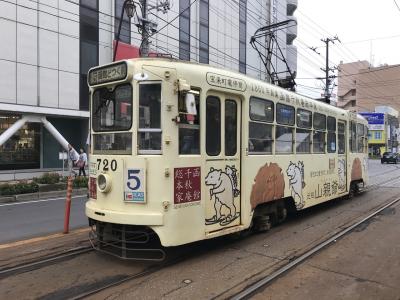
pixel 230 127
pixel 204 32
pixel 149 131
pixel 88 45
pixel 22 150
pixel 189 126
pixel 184 29
pixel 125 34
pixel 242 35
pixel 331 125
pixel 341 138
pixel 213 126
pixel 319 123
pixel 284 114
pixel 378 135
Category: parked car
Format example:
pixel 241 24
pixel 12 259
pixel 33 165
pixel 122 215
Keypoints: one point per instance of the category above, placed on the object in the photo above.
pixel 390 157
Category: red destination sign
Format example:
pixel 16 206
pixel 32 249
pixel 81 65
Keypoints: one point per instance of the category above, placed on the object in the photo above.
pixel 187 185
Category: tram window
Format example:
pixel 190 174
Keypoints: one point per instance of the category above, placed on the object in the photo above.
pixel 331 125
pixel 284 139
pixel 189 126
pixel 260 138
pixel 261 110
pixel 319 121
pixel 303 140
pixel 304 118
pixel 366 135
pixel 284 114
pixel 149 132
pixel 112 111
pixel 230 127
pixel 213 126
pixel 353 137
pixel 319 142
pixel 341 138
pixel 112 143
pixel 360 138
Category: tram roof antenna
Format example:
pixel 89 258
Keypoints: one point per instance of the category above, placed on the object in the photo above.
pixel 268 32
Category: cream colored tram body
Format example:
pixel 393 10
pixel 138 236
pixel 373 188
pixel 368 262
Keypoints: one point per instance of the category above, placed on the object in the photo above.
pixel 182 152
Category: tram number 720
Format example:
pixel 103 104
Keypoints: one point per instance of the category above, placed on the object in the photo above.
pixel 106 165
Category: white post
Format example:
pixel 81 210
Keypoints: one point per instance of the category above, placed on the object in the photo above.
pixel 12 130
pixel 54 132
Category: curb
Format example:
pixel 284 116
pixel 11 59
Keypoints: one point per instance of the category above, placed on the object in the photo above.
pixel 42 195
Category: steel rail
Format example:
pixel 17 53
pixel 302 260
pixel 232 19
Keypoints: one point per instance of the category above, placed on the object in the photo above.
pixel 149 271
pixel 37 264
pixel 252 289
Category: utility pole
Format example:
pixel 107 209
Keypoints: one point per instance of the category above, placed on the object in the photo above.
pixel 148 27
pixel 144 49
pixel 327 93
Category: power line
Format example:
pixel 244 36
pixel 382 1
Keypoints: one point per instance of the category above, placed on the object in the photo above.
pixel 396 4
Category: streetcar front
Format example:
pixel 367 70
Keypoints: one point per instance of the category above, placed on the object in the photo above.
pixel 125 147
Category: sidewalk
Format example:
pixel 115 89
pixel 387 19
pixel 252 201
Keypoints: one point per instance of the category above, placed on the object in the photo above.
pixel 26 174
pixel 42 195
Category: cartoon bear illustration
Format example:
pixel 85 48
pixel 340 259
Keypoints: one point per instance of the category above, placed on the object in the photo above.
pixel 269 184
pixel 222 192
pixel 356 171
pixel 296 182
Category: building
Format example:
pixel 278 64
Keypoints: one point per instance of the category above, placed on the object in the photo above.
pixel 383 129
pixel 51 44
pixel 361 87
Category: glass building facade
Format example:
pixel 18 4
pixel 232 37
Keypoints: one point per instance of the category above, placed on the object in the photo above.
pixel 22 150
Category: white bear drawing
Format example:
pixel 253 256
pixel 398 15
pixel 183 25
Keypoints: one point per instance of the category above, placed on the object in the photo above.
pixel 222 192
pixel 296 182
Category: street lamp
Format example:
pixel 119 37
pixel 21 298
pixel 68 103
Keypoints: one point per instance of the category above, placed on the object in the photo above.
pixel 129 7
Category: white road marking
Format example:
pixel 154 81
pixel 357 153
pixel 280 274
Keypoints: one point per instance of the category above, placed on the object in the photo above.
pixel 43 200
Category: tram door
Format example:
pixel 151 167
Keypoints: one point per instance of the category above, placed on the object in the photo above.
pixel 222 172
pixel 342 157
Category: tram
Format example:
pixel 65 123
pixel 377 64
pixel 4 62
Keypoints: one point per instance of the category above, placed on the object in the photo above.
pixel 182 152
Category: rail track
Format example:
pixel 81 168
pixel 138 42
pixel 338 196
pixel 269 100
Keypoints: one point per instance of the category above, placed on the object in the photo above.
pixel 252 289
pixel 43 262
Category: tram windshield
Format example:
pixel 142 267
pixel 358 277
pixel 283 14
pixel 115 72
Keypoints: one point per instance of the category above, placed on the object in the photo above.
pixel 112 110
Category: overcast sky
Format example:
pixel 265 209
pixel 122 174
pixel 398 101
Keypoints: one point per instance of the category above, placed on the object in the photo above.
pixel 365 28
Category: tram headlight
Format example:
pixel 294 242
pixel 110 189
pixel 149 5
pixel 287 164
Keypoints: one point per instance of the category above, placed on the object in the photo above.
pixel 104 183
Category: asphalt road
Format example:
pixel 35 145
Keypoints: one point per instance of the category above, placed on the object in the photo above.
pixel 23 220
